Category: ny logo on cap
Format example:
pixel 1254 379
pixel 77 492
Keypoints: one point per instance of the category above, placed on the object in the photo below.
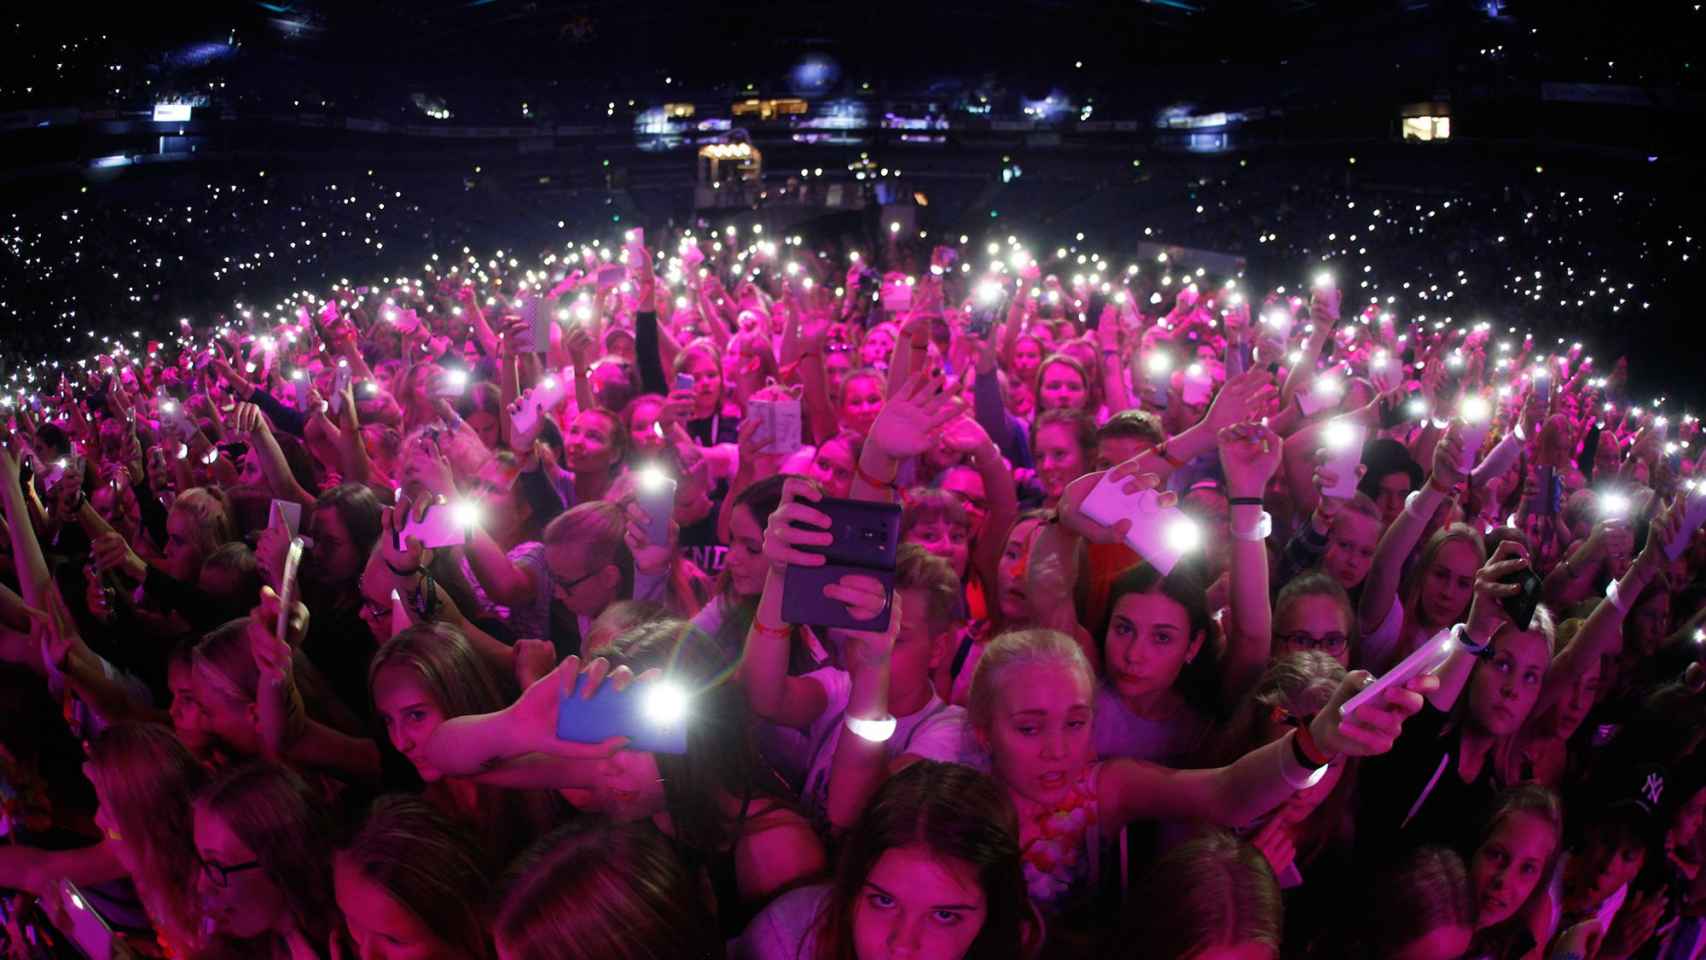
pixel 1653 788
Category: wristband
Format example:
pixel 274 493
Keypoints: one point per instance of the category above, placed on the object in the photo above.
pixel 1296 770
pixel 1160 450
pixel 1258 532
pixel 872 731
pixel 1307 749
pixel 1460 633
pixel 1244 501
pixel 1616 598
pixel 1410 503
pixel 780 633
pixel 859 471
pixel 401 573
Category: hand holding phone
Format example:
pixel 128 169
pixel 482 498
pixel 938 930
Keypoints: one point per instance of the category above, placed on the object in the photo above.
pixel 654 493
pixel 1342 441
pixel 651 711
pixel 1425 659
pixel 88 930
pixel 1158 531
pixel 442 525
pixel 864 539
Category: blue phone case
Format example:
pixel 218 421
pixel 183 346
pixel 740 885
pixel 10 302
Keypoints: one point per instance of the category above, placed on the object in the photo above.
pixel 612 713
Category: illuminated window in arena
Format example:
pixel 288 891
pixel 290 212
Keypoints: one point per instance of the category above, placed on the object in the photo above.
pixel 678 111
pixel 1425 122
pixel 769 109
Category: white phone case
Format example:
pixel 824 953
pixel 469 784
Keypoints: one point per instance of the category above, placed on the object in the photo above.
pixel 1473 434
pixel 1344 464
pixel 778 424
pixel 88 930
pixel 438 529
pixel 286 514
pixel 1693 515
pixel 1426 658
pixel 1107 504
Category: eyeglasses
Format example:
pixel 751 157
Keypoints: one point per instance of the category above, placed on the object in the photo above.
pixel 1330 643
pixel 220 874
pixel 568 585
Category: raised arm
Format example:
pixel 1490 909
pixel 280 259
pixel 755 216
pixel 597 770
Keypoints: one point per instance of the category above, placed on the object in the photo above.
pixel 790 701
pixel 250 422
pixel 1249 455
pixel 1264 778
pixel 1380 590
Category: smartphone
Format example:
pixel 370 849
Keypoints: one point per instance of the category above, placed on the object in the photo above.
pixel 1544 501
pixel 683 381
pixel 1693 515
pixel 544 396
pixel 453 384
pixel 340 383
pixel 438 528
pixel 301 386
pixel 611 274
pixel 897 297
pixel 287 588
pixel 1409 409
pixel 778 424
pixel 866 541
pixel 1196 385
pixel 286 514
pixel 88 930
pixel 537 335
pixel 1426 658
pixel 1321 395
pixel 1161 535
pixel 654 491
pixel 1343 442
pixel 652 715
pixel 1521 605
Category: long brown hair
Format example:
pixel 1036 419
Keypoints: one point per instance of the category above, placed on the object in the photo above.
pixel 430 866
pixel 958 814
pixel 597 890
pixel 1213 891
pixel 273 813
pixel 147 778
pixel 461 683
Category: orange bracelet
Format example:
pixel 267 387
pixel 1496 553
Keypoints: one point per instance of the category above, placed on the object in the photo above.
pixel 780 633
pixel 859 471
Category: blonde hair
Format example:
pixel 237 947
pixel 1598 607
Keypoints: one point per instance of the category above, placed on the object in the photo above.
pixel 918 569
pixel 211 511
pixel 1452 533
pixel 595 530
pixel 1017 649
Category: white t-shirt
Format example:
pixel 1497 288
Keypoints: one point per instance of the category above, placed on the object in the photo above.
pixel 1120 733
pixel 936 732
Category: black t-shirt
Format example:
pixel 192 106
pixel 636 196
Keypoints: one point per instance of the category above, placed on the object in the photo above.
pixel 1414 796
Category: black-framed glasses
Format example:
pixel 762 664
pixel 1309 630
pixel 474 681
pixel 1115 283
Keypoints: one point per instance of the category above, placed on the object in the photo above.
pixel 1329 643
pixel 567 585
pixel 220 874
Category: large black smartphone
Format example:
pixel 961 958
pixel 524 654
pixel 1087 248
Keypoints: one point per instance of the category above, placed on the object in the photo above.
pixel 1401 411
pixel 866 541
pixel 1522 604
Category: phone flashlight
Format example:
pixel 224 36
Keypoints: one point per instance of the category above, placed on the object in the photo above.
pixel 1338 435
pixel 1323 279
pixel 465 514
pixel 652 479
pixel 1613 505
pixel 457 378
pixel 370 389
pixel 989 293
pixel 1475 410
pixel 1183 535
pixel 1159 363
pixel 665 703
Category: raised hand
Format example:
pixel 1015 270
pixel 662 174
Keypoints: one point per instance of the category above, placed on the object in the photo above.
pixel 909 420
pixel 1131 479
pixel 1249 455
pixel 789 525
pixel 113 553
pixel 1244 397
pixel 1486 610
pixel 1373 728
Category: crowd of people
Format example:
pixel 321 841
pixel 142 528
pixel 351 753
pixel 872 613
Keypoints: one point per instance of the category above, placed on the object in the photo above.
pixel 722 598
